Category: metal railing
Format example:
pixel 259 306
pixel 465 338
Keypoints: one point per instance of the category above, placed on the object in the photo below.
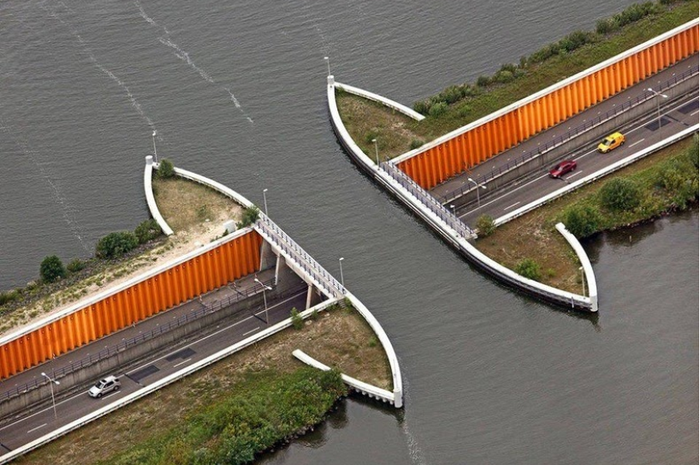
pixel 205 309
pixel 299 255
pixel 426 199
pixel 559 140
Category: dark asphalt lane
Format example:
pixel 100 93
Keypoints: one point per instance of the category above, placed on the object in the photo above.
pixel 24 430
pixel 641 135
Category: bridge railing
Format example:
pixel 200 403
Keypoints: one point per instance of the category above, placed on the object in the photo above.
pixel 559 140
pixel 302 259
pixel 426 199
pixel 205 309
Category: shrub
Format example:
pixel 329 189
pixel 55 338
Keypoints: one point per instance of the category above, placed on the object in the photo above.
pixel 51 269
pixel 692 152
pixel 451 95
pixel 582 221
pixel 620 194
pixel 510 67
pixel 483 81
pixel 75 265
pixel 485 225
pixel 297 321
pixel 116 244
pixel 147 231
pixel 166 169
pixel 422 107
pixel 504 76
pixel 437 109
pixel 8 296
pixel 250 216
pixel 528 268
pixel 606 26
pixel 415 143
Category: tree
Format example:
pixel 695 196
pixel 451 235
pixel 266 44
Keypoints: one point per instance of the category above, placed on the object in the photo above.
pixel 620 194
pixel 52 269
pixel 116 244
pixel 166 169
pixel 147 230
pixel 581 221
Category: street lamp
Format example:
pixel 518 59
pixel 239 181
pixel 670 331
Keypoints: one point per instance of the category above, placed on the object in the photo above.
pixel 265 200
pixel 328 62
pixel 658 107
pixel 478 200
pixel 264 286
pixel 340 262
pixel 53 399
pixel 583 281
pixel 452 206
pixel 376 151
pixel 154 145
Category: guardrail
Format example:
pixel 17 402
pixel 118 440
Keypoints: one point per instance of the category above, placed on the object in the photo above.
pixel 266 227
pixel 426 199
pixel 141 338
pixel 564 138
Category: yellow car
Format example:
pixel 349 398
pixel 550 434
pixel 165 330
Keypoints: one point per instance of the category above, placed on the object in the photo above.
pixel 611 142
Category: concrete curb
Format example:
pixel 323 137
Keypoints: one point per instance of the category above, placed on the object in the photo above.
pixel 150 199
pixel 585 264
pixel 383 100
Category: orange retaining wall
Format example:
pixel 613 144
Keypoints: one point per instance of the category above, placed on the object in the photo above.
pixel 470 147
pixel 153 294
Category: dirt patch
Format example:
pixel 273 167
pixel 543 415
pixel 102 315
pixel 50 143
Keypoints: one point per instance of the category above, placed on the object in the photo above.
pixel 335 332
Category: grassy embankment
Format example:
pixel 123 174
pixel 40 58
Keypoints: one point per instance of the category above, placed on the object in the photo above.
pixel 664 182
pixel 460 105
pixel 239 406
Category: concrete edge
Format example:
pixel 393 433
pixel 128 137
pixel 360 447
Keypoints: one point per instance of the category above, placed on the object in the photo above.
pixel 506 275
pixel 383 100
pixel 217 186
pixel 150 198
pixel 543 92
pixel 585 264
pixel 356 384
pixel 595 176
pixel 160 384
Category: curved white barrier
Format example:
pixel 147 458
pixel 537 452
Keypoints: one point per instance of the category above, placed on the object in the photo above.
pixel 585 264
pixel 383 100
pixel 150 199
pixel 451 235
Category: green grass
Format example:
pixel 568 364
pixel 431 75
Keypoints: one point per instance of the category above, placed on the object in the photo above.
pixel 264 409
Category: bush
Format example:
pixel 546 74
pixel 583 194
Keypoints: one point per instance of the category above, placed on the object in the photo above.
pixel 52 269
pixel 147 231
pixel 75 265
pixel 8 296
pixel 422 107
pixel 297 321
pixel 504 76
pixel 451 95
pixel 581 221
pixel 415 143
pixel 485 225
pixel 620 194
pixel 438 109
pixel 693 152
pixel 483 81
pixel 166 169
pixel 528 268
pixel 116 244
pixel 250 216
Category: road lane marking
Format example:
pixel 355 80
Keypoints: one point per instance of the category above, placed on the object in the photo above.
pixel 511 206
pixel 251 331
pixel 575 174
pixel 34 429
pixel 694 113
pixel 638 142
pixel 184 361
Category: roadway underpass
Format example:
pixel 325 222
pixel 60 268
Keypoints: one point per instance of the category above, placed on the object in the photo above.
pixel 675 117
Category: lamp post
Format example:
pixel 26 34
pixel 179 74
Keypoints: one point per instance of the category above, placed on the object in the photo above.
pixel 583 281
pixel 154 145
pixel 53 399
pixel 328 63
pixel 376 151
pixel 265 287
pixel 452 206
pixel 340 262
pixel 658 107
pixel 265 200
pixel 478 200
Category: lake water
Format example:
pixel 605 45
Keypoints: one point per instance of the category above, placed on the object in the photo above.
pixel 236 92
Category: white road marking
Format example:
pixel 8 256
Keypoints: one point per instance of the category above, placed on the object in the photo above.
pixel 694 113
pixel 638 142
pixel 575 174
pixel 182 362
pixel 511 206
pixel 251 331
pixel 34 429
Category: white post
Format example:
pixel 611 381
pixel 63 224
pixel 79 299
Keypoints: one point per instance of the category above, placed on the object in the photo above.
pixel 340 262
pixel 267 319
pixel 376 151
pixel 328 62
pixel 658 108
pixel 154 145
pixel 265 200
pixel 452 206
pixel 53 399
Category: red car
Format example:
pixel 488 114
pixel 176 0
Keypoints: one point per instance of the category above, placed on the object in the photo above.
pixel 561 168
